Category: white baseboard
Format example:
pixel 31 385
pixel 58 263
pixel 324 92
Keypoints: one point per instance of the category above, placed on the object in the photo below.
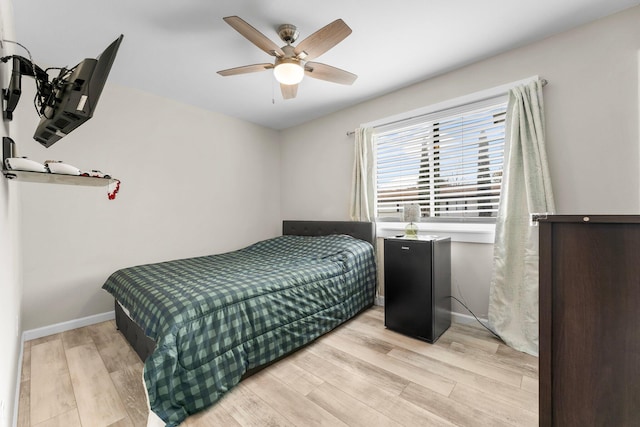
pixel 465 319
pixel 67 326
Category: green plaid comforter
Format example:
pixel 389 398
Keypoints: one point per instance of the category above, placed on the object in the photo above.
pixel 217 316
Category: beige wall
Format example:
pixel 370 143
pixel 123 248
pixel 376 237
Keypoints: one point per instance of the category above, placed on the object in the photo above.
pixel 193 183
pixel 74 237
pixel 10 313
pixel 592 133
pixel 240 180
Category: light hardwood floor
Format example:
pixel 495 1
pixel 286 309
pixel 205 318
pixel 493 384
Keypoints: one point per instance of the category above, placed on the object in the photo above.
pixel 361 374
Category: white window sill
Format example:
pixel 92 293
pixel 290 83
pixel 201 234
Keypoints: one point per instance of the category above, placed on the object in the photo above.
pixel 458 232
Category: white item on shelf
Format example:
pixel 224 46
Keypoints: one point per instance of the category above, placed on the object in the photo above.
pixel 55 166
pixel 24 164
pixel 95 174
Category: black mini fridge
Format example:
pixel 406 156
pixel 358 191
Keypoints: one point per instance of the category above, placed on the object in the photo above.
pixel 417 286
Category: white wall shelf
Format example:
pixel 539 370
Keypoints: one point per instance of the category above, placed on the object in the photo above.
pixel 56 178
pixel 46 177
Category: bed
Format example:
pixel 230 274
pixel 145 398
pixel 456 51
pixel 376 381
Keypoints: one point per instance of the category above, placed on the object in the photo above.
pixel 203 324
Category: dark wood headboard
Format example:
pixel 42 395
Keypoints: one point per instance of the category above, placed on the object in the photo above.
pixel 359 229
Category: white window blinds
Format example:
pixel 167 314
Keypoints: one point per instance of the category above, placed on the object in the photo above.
pixel 449 162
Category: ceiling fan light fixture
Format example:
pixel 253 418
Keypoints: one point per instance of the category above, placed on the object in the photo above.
pixel 288 72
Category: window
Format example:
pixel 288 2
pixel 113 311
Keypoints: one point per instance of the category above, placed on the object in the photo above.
pixel 449 162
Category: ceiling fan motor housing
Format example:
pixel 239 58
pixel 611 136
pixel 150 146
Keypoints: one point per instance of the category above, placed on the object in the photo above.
pixel 289 53
pixel 288 33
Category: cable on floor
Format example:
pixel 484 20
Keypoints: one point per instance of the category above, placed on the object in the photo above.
pixel 483 325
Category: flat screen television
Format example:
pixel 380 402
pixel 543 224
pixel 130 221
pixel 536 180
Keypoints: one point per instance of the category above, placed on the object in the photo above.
pixel 74 96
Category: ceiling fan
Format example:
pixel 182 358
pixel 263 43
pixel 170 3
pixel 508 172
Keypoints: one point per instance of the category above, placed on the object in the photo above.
pixel 293 62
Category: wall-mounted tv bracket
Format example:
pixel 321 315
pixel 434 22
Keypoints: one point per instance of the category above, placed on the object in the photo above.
pixel 8 150
pixel 23 67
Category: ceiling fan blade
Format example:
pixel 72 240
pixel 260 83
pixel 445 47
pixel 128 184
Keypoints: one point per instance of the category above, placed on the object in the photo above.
pixel 289 91
pixel 245 69
pixel 329 73
pixel 253 35
pixel 322 40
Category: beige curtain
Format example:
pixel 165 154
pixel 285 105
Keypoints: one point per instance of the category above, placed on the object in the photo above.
pixel 526 189
pixel 363 183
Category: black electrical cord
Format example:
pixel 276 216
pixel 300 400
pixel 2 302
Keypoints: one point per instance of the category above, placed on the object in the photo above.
pixel 49 100
pixel 469 310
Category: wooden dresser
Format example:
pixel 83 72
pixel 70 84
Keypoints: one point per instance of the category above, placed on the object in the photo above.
pixel 590 320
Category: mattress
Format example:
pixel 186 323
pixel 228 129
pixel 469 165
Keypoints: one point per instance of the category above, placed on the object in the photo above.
pixel 214 318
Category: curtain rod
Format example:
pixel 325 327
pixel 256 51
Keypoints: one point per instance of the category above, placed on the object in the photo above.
pixel 543 81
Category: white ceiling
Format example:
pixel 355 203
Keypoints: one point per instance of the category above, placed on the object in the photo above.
pixel 174 48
